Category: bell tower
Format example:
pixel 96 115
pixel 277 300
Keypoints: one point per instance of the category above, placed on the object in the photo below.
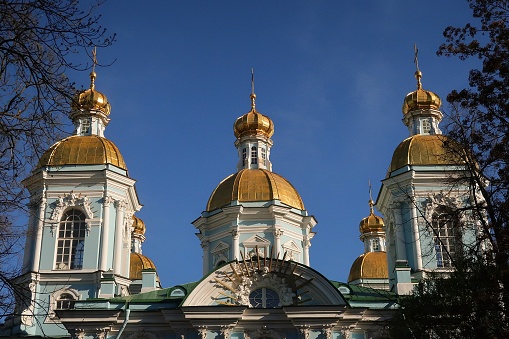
pixel 82 202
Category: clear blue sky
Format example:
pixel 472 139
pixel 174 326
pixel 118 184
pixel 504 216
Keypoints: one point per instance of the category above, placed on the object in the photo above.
pixel 332 75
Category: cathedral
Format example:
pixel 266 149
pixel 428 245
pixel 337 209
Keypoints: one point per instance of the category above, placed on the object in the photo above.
pixel 86 276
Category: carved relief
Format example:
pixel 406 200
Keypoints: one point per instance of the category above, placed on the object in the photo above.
pixel 70 200
pixel 304 331
pixel 202 332
pixel 439 200
pixel 77 333
pixel 263 279
pixel 226 331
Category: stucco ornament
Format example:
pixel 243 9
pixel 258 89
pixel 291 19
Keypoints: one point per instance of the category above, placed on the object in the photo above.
pixel 260 279
pixel 439 200
pixel 70 200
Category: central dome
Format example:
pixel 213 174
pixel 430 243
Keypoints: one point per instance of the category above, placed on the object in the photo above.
pixel 82 150
pixel 249 185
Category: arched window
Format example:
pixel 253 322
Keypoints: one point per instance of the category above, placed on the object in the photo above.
pixel 264 298
pixel 71 241
pixel 65 302
pixel 254 155
pixel 446 238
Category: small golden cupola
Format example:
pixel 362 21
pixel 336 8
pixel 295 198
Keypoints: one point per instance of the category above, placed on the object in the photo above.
pixel 371 223
pixel 420 99
pixel 87 146
pixel 138 261
pixel 371 267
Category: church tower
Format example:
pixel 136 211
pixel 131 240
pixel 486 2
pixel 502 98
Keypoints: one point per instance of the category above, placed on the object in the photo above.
pixel 421 196
pixel 254 212
pixel 79 232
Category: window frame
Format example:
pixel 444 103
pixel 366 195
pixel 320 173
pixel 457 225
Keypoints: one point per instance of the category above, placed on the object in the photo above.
pixel 70 242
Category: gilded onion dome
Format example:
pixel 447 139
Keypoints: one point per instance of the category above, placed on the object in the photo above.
pixel 421 99
pixel 371 223
pixel 139 262
pixel 82 150
pixel 371 265
pixel 253 123
pixel 249 185
pixel 138 226
pixel 92 100
pixel 424 150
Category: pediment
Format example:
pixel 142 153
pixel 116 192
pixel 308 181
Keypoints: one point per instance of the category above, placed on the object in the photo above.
pixel 256 240
pixel 295 284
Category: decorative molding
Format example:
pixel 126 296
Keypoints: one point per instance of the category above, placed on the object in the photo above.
pixel 71 200
pixel 327 331
pixel 101 333
pixel 262 279
pixel 54 298
pixel 439 200
pixel 77 333
pixel 120 204
pixel 278 233
pixel 202 332
pixel 226 331
pixel 346 332
pixel 304 331
pixel 108 200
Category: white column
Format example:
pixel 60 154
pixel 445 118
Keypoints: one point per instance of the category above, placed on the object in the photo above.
pixel 205 246
pixel 38 235
pixel 236 245
pixel 277 236
pixel 117 259
pixel 416 237
pixel 105 233
pixel 400 235
pixel 307 245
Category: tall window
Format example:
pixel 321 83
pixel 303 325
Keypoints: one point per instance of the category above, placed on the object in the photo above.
pixel 65 302
pixel 254 155
pixel 264 298
pixel 426 126
pixel 71 241
pixel 244 157
pixel 264 156
pixel 447 239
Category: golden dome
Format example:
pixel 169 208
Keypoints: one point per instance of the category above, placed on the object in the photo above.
pixel 253 123
pixel 138 226
pixel 423 150
pixel 371 223
pixel 82 150
pixel 421 99
pixel 254 185
pixel 371 265
pixel 91 99
pixel 139 262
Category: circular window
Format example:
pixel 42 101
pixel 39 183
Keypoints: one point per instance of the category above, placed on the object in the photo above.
pixel 264 298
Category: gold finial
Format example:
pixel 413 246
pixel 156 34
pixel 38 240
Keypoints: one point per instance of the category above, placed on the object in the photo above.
pixel 418 73
pixel 253 95
pixel 371 202
pixel 92 74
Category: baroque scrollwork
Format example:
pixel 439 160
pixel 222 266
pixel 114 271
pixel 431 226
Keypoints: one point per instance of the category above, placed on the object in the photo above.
pixel 70 200
pixel 263 279
pixel 439 200
pixel 263 332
